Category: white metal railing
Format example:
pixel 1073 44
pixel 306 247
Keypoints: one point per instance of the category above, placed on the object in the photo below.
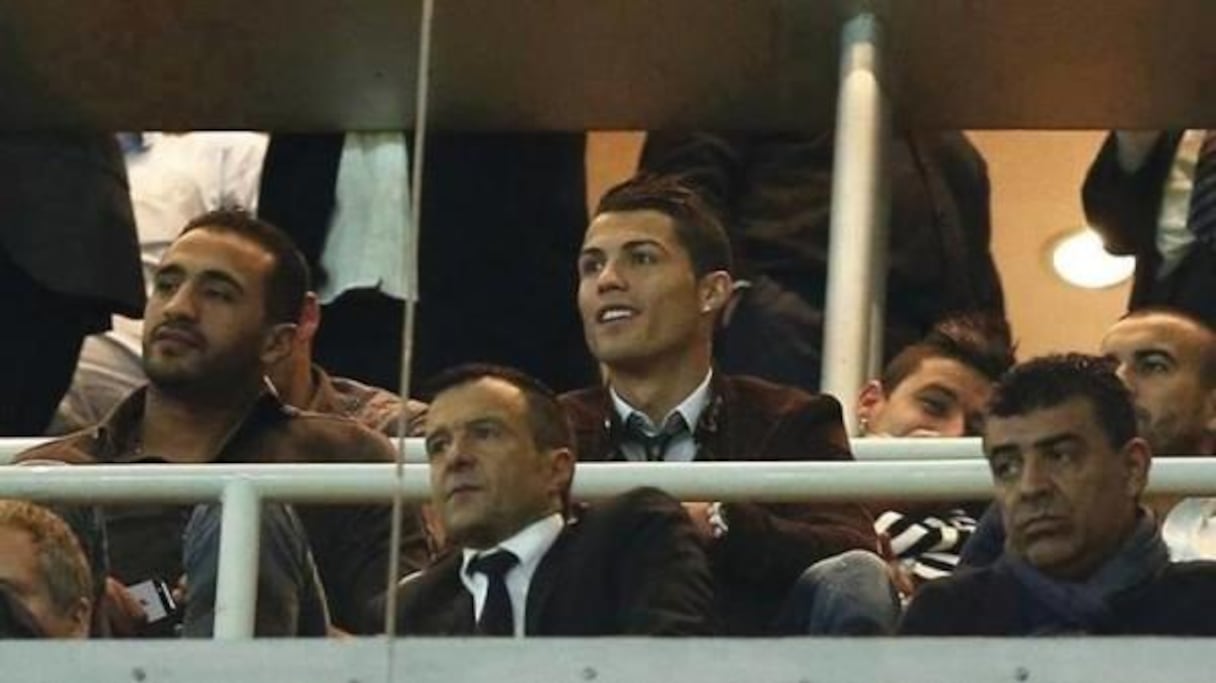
pixel 616 660
pixel 242 488
pixel 863 448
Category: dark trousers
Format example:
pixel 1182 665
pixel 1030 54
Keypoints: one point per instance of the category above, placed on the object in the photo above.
pixel 42 335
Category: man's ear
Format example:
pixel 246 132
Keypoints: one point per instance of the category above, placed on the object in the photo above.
pixel 278 343
pixel 1138 458
pixel 561 470
pixel 310 317
pixel 80 616
pixel 870 401
pixel 715 289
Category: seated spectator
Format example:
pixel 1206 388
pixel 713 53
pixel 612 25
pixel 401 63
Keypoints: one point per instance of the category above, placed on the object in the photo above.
pixel 501 466
pixel 46 588
pixel 223 310
pixel 935 388
pixel 302 383
pixel 654 275
pixel 1167 359
pixel 1082 555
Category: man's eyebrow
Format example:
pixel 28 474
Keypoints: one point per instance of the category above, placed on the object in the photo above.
pixel 213 275
pixel 647 242
pixel 1056 439
pixel 935 386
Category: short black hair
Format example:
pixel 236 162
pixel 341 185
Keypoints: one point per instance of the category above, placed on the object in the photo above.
pixel 980 341
pixel 1049 381
pixel 288 281
pixel 696 225
pixel 546 418
pixel 1207 368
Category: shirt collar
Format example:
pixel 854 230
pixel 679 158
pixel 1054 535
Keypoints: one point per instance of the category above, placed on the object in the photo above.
pixel 119 433
pixel 530 544
pixel 690 408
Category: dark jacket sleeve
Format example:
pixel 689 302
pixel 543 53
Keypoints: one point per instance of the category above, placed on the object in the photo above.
pixel 709 163
pixel 932 612
pixel 1124 207
pixel 351 543
pixel 774 543
pixel 662 581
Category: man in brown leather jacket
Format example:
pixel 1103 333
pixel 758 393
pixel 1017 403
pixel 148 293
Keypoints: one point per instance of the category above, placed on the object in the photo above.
pixel 223 309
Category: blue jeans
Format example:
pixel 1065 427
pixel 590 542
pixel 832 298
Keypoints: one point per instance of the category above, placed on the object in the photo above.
pixel 291 601
pixel 849 594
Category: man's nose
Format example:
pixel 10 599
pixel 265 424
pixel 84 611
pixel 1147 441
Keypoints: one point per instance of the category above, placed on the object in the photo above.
pixel 1034 479
pixel 609 277
pixel 181 304
pixel 1125 375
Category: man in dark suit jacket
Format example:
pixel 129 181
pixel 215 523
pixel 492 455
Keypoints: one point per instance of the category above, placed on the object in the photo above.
pixel 501 466
pixel 1082 556
pixel 654 275
pixel 1124 196
pixel 68 260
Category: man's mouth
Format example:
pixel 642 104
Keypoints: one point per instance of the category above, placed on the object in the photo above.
pixel 613 314
pixel 178 335
pixel 1041 524
pixel 458 489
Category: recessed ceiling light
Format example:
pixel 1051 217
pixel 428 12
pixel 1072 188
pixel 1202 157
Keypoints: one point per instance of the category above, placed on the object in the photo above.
pixel 1080 260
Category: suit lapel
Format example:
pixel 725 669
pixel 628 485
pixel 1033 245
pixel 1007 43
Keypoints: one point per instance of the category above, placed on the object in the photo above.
pixel 546 577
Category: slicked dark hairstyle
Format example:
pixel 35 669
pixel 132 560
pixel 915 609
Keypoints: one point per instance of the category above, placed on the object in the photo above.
pixel 980 341
pixel 1207 368
pixel 547 419
pixel 696 225
pixel 288 280
pixel 1049 381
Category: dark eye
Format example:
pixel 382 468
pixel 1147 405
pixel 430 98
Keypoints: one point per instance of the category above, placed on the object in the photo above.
pixel 934 406
pixel 219 292
pixel 435 445
pixel 164 285
pixel 1153 365
pixel 643 257
pixel 589 265
pixel 1004 467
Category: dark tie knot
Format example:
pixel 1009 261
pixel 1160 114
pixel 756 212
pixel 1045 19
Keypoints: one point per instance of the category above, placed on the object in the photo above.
pixel 655 445
pixel 495 564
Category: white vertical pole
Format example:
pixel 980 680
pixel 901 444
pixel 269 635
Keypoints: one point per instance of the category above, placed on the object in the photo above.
pixel 858 214
pixel 236 592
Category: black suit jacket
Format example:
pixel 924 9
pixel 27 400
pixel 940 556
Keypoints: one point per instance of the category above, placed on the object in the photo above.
pixel 991 602
pixel 768 546
pixel 66 221
pixel 1125 209
pixel 628 566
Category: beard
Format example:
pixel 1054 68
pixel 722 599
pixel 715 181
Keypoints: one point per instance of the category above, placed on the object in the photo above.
pixel 205 375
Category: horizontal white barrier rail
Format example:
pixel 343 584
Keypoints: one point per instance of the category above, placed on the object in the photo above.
pixel 243 487
pixel 863 449
pixel 768 481
pixel 617 660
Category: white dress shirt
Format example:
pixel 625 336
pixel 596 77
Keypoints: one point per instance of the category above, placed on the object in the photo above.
pixel 683 447
pixel 530 546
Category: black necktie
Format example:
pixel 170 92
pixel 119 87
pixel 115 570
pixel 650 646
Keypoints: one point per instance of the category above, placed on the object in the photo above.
pixel 654 445
pixel 1201 218
pixel 497 617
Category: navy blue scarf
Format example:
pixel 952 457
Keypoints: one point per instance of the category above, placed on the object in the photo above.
pixel 1084 606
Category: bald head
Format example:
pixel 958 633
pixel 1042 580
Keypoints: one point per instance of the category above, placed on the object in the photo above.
pixel 1168 361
